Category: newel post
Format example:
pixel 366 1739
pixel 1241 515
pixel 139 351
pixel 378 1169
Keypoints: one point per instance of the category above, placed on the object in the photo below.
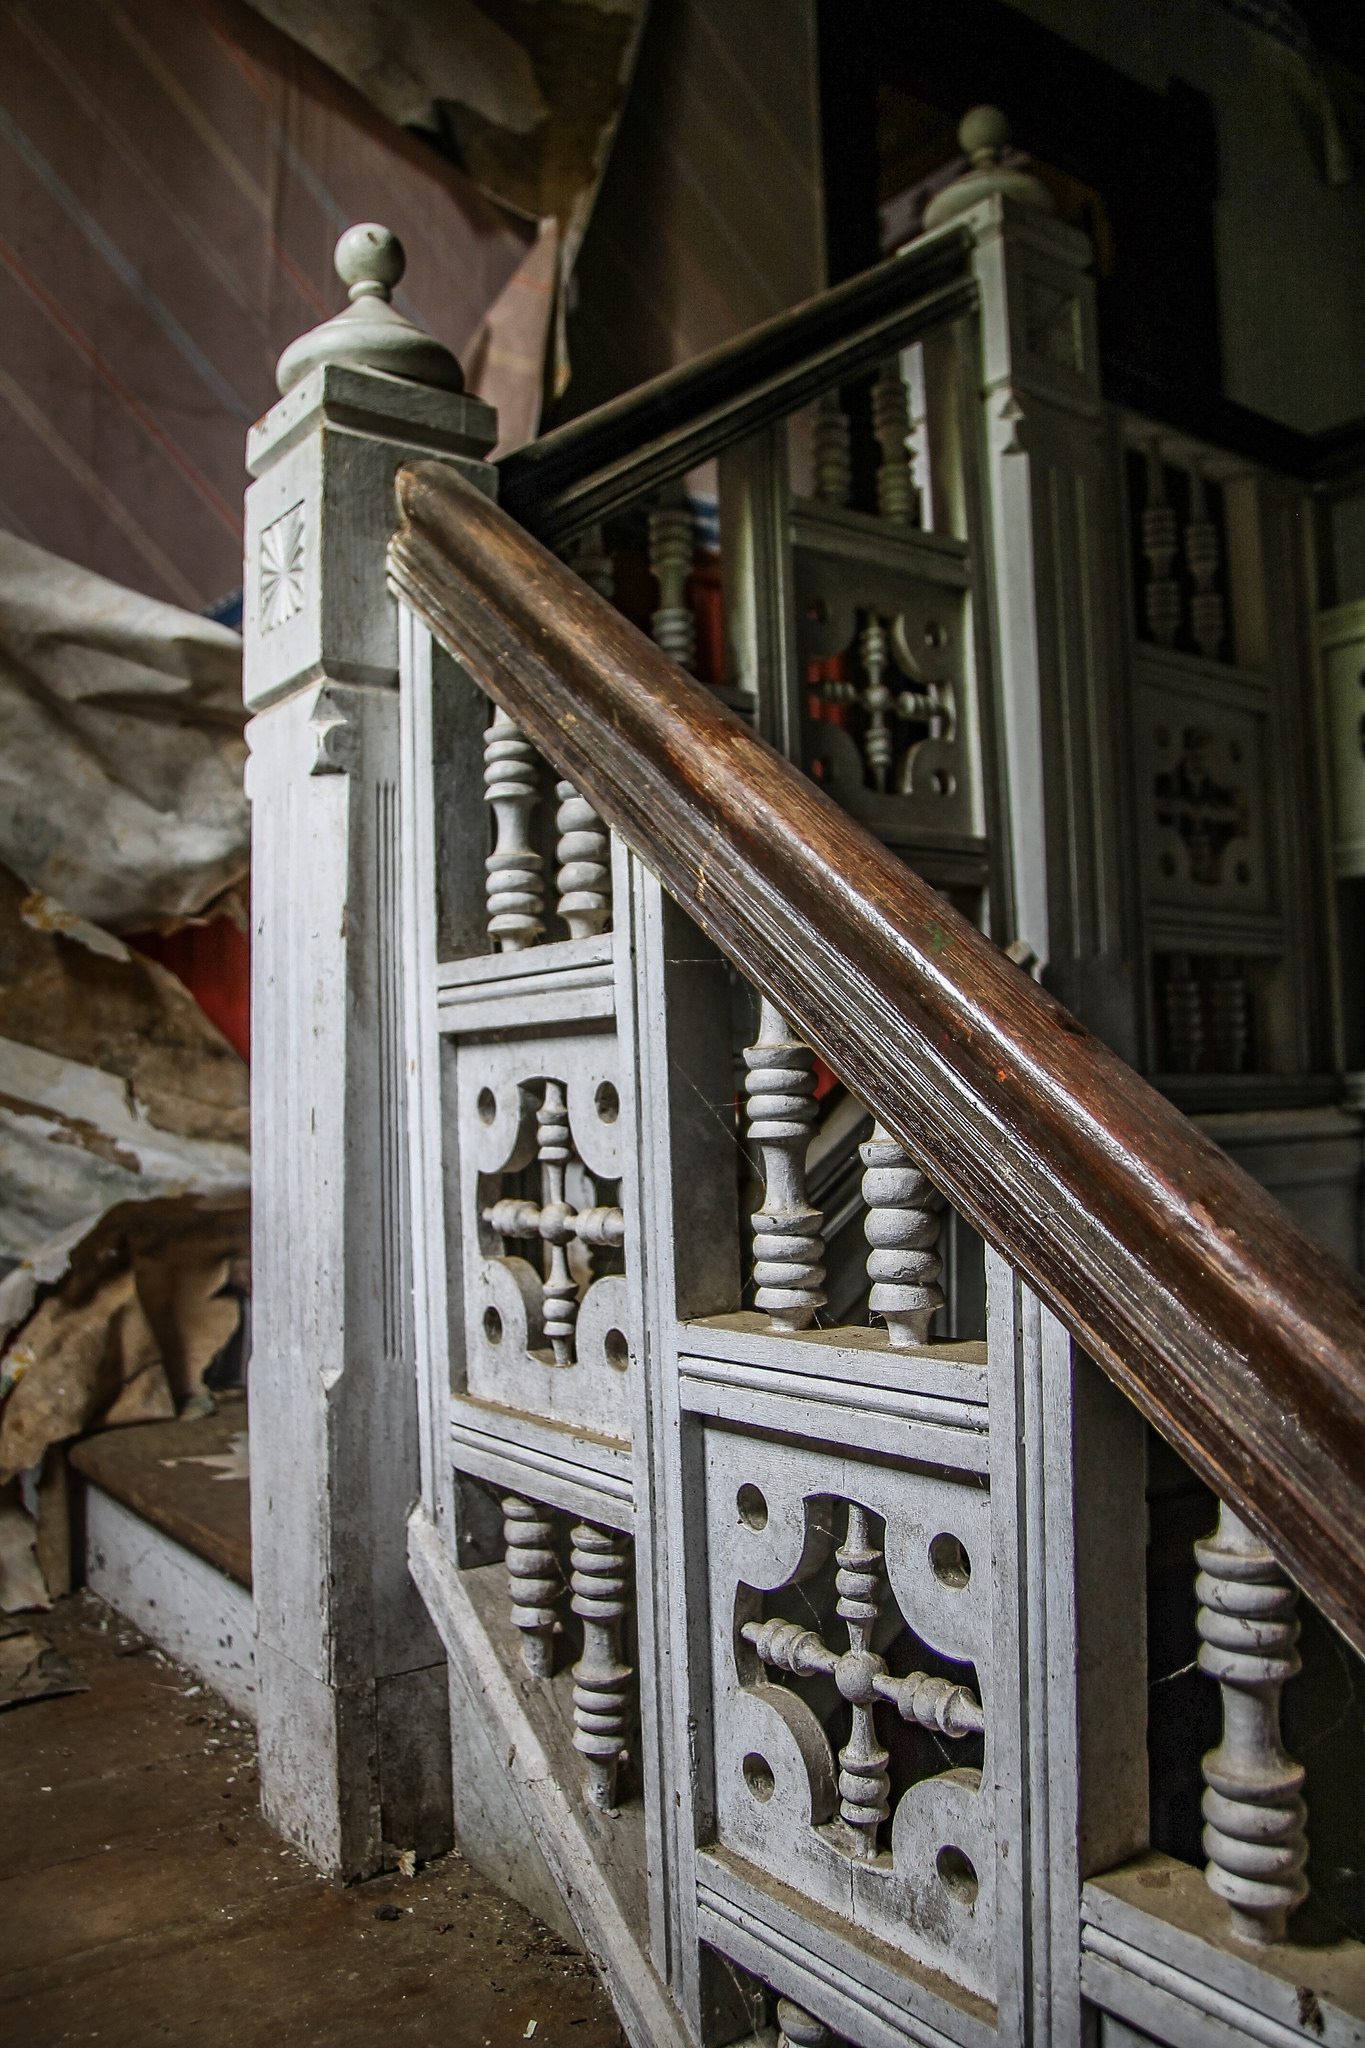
pixel 1052 541
pixel 354 1749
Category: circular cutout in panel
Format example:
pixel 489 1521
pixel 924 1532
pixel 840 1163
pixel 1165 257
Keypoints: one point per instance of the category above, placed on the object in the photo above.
pixel 492 1326
pixel 758 1776
pixel 753 1509
pixel 956 1872
pixel 617 1349
pixel 945 782
pixel 607 1102
pixel 952 1566
pixel 487 1106
pixel 935 635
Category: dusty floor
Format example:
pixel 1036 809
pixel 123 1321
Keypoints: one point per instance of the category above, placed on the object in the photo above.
pixel 142 1898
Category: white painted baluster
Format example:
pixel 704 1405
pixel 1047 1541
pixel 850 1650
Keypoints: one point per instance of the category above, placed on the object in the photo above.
pixel 584 856
pixel 797 2028
pixel 830 458
pixel 902 1227
pixel 557 1221
pixel 670 557
pixel 534 1579
pixel 896 496
pixel 788 1245
pixel 864 1787
pixel 601 1680
pixel 1159 546
pixel 1254 1833
pixel 878 744
pixel 1203 554
pixel 512 786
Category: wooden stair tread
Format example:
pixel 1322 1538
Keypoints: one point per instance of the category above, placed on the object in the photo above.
pixel 155 1469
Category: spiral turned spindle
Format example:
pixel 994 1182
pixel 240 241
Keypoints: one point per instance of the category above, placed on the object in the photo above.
pixel 583 853
pixel 902 1227
pixel 1203 557
pixel 601 1680
pixel 534 1579
pixel 796 2028
pixel 516 895
pixel 788 1245
pixel 831 460
pixel 670 557
pixel 896 495
pixel 1159 545
pixel 1254 1832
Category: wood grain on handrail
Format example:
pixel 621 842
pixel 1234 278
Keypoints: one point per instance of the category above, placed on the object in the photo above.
pixel 589 468
pixel 1238 1337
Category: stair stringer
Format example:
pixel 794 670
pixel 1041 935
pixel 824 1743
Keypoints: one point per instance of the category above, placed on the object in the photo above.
pixel 647 2013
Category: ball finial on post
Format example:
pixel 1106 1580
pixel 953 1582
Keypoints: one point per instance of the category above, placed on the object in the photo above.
pixel 370 260
pixel 371 333
pixel 984 136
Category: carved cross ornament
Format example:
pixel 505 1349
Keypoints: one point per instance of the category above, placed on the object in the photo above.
pixel 863 1680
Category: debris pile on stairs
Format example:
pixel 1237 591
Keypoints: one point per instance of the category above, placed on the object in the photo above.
pixel 124 1164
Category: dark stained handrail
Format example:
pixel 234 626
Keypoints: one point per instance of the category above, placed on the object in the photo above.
pixel 587 469
pixel 1239 1338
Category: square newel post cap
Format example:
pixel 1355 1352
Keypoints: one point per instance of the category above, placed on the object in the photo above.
pixel 361 394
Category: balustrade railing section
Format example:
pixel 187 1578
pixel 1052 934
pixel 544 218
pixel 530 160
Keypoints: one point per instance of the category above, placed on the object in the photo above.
pixel 796 1651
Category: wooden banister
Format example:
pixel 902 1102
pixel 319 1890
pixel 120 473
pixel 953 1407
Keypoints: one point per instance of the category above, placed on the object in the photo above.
pixel 589 468
pixel 1238 1337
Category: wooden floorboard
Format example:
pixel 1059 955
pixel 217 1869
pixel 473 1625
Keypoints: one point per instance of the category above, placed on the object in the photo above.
pixel 143 1899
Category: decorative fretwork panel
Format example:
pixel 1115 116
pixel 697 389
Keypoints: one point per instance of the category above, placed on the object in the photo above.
pixel 544 1235
pixel 851 1678
pixel 887 665
pixel 1204 804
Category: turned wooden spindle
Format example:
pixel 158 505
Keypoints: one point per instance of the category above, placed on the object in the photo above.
pixel 864 1786
pixel 1203 555
pixel 1254 1816
pixel 601 1680
pixel 788 1245
pixel 897 499
pixel 558 1221
pixel 902 1228
pixel 534 1579
pixel 672 626
pixel 583 852
pixel 1159 546
pixel 516 895
pixel 796 2028
pixel 878 740
pixel 831 461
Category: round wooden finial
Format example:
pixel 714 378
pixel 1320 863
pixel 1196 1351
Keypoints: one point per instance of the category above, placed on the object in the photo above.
pixel 371 333
pixel 370 259
pixel 984 134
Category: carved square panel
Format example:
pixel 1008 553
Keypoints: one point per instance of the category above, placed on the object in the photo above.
pixel 887 669
pixel 851 1646
pixel 542 1233
pixel 1201 801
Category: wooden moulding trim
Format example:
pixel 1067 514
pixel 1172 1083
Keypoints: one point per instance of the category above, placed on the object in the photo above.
pixel 1237 1336
pixel 587 469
